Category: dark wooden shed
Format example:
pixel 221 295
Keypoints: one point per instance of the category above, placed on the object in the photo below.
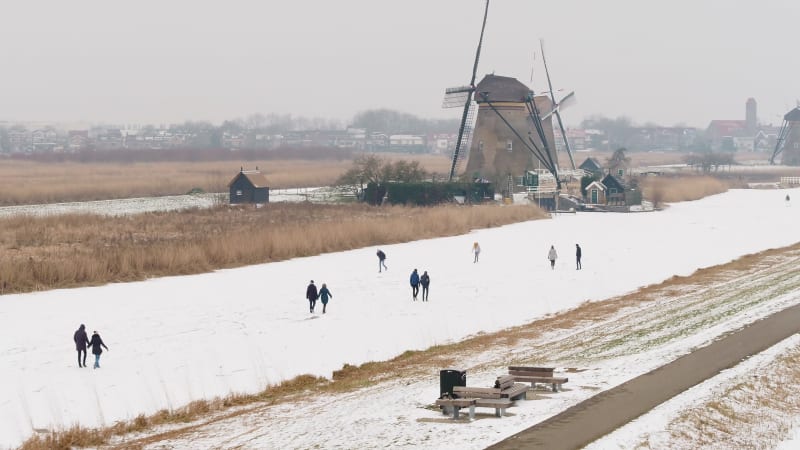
pixel 249 186
pixel 615 194
pixel 592 166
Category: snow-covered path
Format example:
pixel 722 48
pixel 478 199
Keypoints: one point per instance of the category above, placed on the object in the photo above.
pixel 182 338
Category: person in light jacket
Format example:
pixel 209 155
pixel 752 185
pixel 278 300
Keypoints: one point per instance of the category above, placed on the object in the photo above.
pixel 96 343
pixel 552 255
pixel 476 249
pixel 324 293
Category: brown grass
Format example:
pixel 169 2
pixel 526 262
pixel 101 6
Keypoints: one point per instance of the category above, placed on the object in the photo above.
pixel 667 189
pixel 77 250
pixel 30 182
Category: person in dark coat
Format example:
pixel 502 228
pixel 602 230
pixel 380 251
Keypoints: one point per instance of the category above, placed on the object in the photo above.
pixel 324 293
pixel 577 257
pixel 81 343
pixel 96 343
pixel 425 281
pixel 311 295
pixel 381 260
pixel 414 280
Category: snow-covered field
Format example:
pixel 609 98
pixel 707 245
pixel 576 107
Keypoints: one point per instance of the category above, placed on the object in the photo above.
pixel 176 339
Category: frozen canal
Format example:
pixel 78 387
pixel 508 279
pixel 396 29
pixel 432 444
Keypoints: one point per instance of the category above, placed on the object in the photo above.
pixel 120 207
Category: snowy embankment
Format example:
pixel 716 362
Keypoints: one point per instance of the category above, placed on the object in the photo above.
pixel 177 339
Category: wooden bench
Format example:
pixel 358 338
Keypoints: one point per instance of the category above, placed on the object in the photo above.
pixel 535 375
pixel 455 404
pixel 513 392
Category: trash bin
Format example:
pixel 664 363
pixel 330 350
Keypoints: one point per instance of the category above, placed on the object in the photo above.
pixel 448 378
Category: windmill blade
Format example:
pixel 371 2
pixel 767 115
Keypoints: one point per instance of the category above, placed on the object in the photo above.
pixel 480 43
pixel 468 101
pixel 566 102
pixel 456 96
pixel 566 141
pixel 547 72
pixel 460 139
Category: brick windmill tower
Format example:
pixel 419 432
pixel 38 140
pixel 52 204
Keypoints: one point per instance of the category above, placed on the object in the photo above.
pixel 505 140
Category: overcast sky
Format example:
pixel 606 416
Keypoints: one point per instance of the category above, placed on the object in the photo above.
pixel 157 61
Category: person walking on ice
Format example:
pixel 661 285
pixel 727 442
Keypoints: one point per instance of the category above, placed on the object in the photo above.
pixel 311 295
pixel 476 249
pixel 324 293
pixel 381 260
pixel 81 343
pixel 425 281
pixel 577 257
pixel 414 280
pixel 96 343
pixel 552 255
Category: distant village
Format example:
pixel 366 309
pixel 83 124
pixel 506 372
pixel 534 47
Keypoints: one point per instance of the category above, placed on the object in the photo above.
pixel 721 135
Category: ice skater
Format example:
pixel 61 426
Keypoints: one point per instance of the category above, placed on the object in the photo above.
pixel 414 280
pixel 552 255
pixel 96 343
pixel 577 257
pixel 425 281
pixel 476 250
pixel 381 260
pixel 324 293
pixel 81 343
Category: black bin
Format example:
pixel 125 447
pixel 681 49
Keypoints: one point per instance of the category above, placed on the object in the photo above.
pixel 448 378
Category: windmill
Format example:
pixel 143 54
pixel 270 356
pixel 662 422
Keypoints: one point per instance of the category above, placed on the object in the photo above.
pixel 568 99
pixel 790 131
pixel 462 95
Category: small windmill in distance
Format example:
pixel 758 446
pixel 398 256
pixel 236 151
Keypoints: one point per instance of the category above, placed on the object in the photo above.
pixel 463 95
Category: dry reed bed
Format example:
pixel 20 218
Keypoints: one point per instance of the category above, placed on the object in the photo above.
pixel 30 182
pixel 78 250
pixel 680 189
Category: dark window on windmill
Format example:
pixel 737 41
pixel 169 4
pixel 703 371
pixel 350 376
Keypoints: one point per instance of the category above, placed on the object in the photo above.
pixel 510 145
pixel 249 186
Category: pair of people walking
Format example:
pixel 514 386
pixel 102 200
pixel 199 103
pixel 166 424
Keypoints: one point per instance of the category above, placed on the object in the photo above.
pixel 552 255
pixel 82 343
pixel 416 281
pixel 312 295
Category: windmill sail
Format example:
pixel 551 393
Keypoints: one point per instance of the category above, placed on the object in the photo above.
pixel 467 101
pixel 461 154
pixel 570 96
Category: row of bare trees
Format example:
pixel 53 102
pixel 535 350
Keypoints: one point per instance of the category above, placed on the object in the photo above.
pixel 370 168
